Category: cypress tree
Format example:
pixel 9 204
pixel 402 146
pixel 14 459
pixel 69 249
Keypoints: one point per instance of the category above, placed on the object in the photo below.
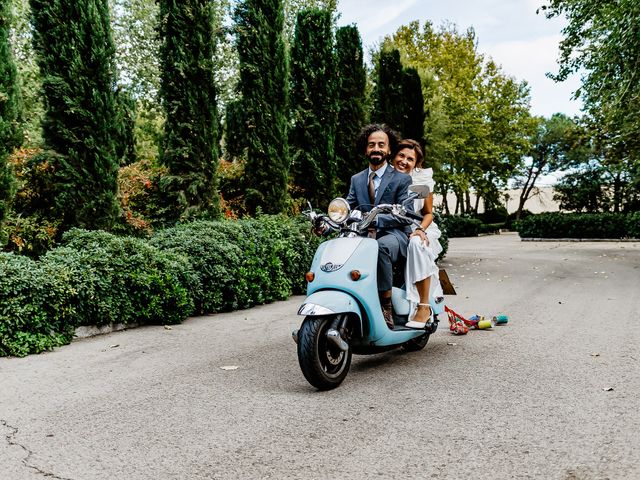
pixel 351 103
pixel 413 106
pixel 263 86
pixel 388 101
pixel 126 110
pixel 190 147
pixel 235 130
pixel 314 106
pixel 75 51
pixel 10 109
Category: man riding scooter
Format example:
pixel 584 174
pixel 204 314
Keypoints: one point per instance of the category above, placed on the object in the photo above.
pixel 381 184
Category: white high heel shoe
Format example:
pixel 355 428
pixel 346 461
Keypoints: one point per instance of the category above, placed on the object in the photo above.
pixel 420 325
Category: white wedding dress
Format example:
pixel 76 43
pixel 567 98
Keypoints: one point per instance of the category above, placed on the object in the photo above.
pixel 421 258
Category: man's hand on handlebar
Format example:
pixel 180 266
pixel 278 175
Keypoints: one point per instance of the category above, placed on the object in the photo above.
pixel 320 227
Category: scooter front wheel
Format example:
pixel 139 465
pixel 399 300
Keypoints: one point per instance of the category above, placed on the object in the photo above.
pixel 323 364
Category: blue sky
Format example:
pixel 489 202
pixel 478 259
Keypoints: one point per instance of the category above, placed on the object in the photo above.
pixel 523 43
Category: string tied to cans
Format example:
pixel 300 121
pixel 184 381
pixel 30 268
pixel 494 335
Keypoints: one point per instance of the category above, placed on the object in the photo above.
pixel 458 325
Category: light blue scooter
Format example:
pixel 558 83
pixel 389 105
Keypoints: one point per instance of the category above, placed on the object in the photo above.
pixel 342 309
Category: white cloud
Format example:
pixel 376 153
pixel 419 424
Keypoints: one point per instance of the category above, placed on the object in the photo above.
pixel 373 16
pixel 530 61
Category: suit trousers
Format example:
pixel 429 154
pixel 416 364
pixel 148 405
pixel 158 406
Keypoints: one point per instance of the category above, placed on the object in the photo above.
pixel 388 255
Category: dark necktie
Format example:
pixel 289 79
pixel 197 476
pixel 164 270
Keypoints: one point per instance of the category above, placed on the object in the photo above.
pixel 372 189
pixel 372 199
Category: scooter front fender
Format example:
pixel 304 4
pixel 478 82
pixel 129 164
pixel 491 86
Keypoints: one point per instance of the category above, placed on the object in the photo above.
pixel 330 302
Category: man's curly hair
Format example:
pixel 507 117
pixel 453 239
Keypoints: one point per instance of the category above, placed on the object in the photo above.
pixel 363 138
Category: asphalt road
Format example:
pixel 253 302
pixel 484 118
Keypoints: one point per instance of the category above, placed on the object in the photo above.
pixel 552 395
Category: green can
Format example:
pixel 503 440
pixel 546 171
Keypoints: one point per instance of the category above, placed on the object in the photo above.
pixel 500 319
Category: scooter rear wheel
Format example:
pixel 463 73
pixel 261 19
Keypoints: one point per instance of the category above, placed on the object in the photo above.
pixel 323 364
pixel 416 344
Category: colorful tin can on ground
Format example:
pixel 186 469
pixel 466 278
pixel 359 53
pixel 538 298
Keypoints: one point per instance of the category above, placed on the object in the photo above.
pixel 500 319
pixel 485 323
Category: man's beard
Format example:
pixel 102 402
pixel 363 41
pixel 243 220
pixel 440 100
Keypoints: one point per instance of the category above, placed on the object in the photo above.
pixel 377 161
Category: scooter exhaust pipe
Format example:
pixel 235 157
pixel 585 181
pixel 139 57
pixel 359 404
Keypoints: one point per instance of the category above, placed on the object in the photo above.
pixel 334 336
pixel 294 335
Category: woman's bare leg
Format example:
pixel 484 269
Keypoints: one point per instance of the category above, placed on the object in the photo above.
pixel 423 313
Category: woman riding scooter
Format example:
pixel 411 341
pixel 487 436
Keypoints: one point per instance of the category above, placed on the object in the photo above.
pixel 421 272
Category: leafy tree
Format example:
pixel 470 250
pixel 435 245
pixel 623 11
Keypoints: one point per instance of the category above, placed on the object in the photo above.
pixel 454 135
pixel 351 96
pixel 263 86
pixel 551 144
pixel 76 55
pixel 476 117
pixel 508 129
pixel 314 107
pixel 28 72
pixel 10 109
pixel 293 7
pixel 583 190
pixel 226 56
pixel 620 179
pixel 187 90
pixel 602 42
pixel 135 31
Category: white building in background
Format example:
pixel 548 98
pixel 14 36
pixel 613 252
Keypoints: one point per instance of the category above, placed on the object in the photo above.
pixel 539 202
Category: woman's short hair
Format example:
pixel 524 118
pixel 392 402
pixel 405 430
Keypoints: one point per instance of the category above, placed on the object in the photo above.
pixel 363 138
pixel 411 145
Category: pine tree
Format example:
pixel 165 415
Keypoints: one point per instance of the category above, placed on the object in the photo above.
pixel 314 107
pixel 388 101
pixel 10 110
pixel 413 106
pixel 190 147
pixel 351 104
pixel 263 86
pixel 75 51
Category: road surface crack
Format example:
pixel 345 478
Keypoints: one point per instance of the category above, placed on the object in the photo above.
pixel 11 440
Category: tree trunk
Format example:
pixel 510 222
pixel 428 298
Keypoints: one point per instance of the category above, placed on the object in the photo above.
pixel 526 189
pixel 445 202
pixel 617 197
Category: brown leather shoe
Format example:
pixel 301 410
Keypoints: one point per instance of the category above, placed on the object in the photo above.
pixel 388 315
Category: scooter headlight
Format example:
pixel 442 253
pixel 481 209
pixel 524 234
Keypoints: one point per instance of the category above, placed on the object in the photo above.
pixel 338 210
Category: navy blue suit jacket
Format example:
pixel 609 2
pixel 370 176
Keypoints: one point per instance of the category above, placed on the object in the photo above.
pixel 394 188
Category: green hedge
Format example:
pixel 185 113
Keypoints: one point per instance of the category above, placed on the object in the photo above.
pixel 461 226
pixel 246 262
pixel 96 278
pixel 124 279
pixel 580 225
pixel 492 227
pixel 633 225
pixel 37 309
